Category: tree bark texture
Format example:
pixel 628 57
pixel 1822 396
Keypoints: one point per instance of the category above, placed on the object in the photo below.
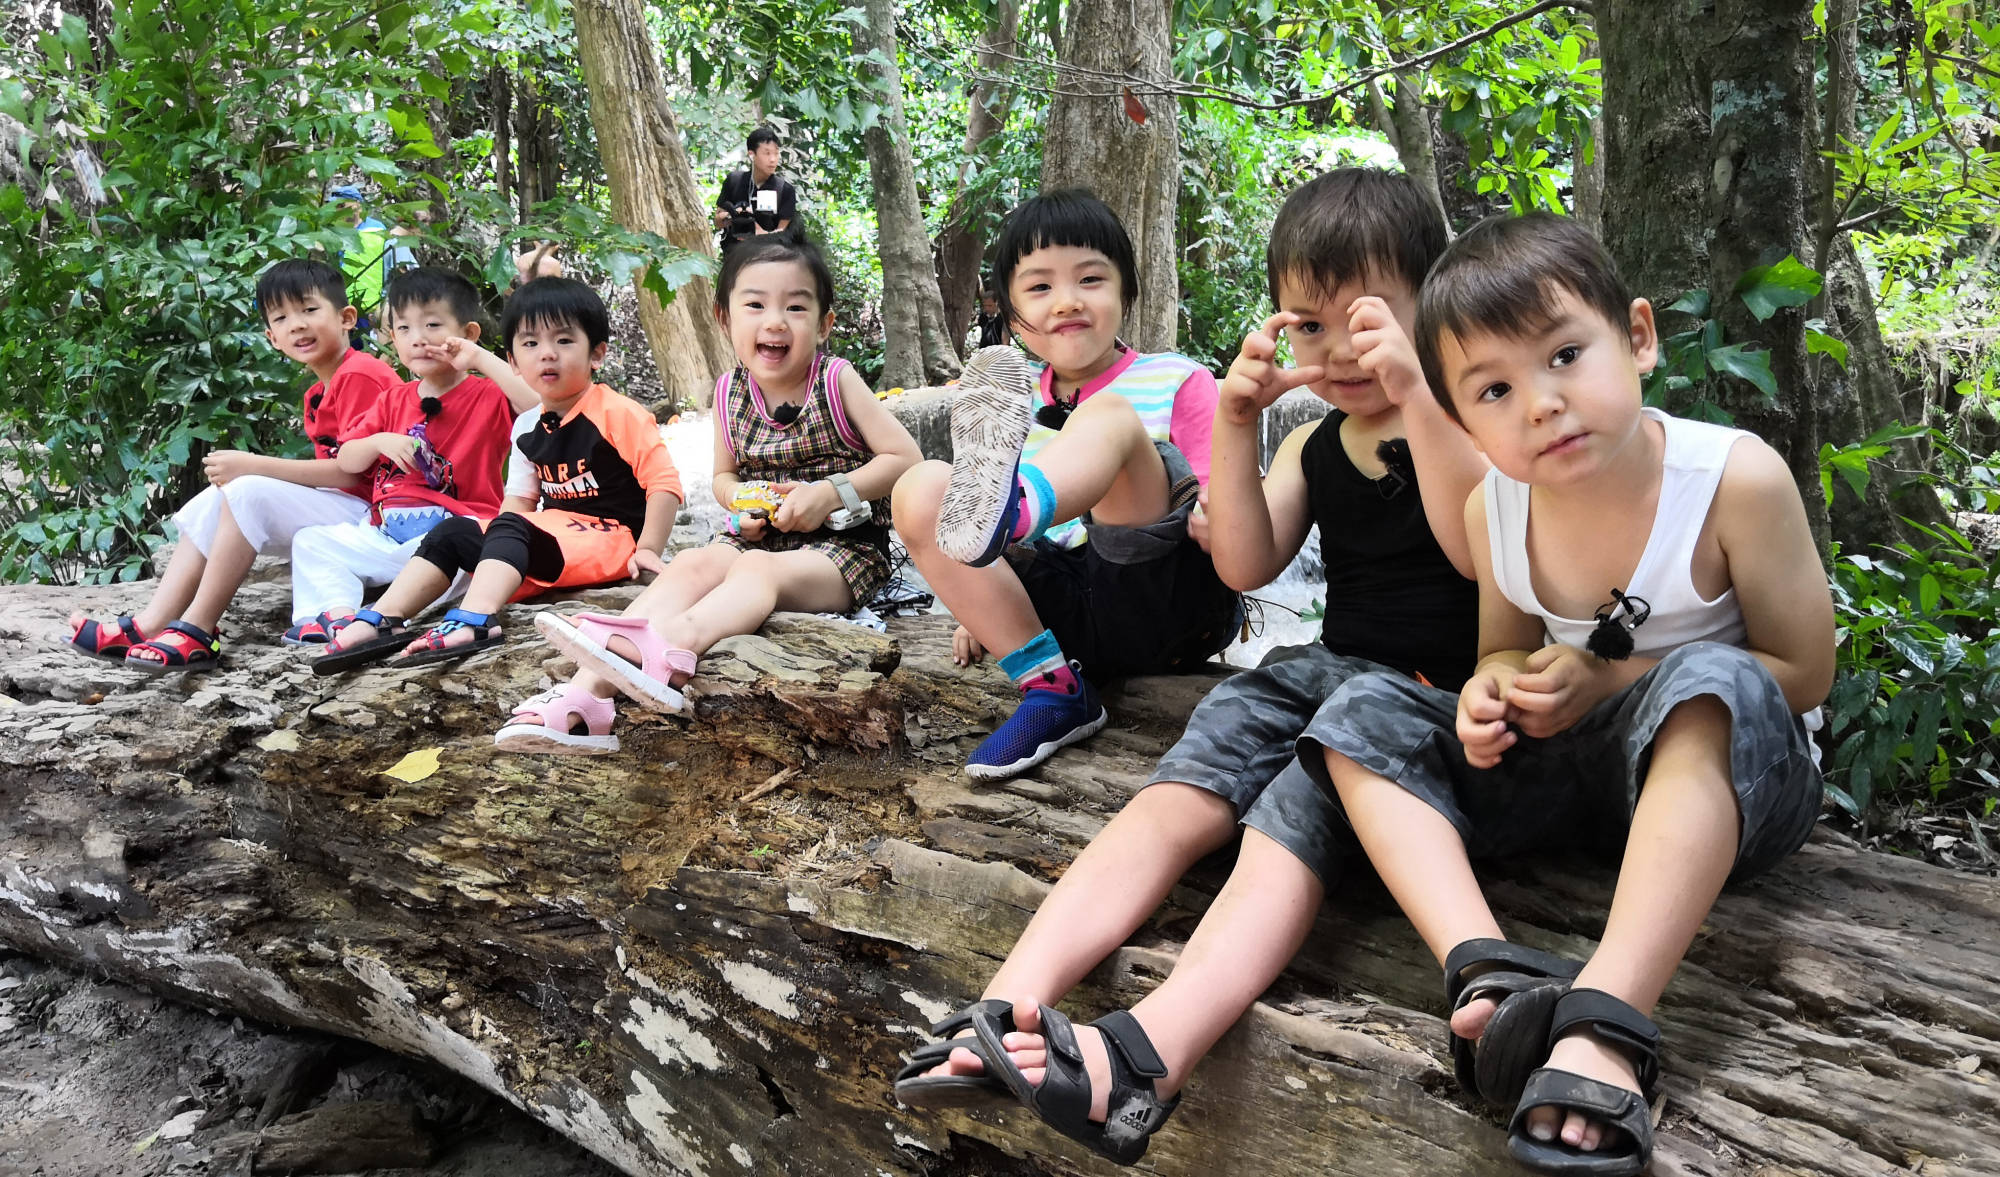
pixel 961 247
pixel 1761 134
pixel 919 349
pixel 537 133
pixel 652 187
pixel 701 956
pixel 502 104
pixel 1656 132
pixel 1093 141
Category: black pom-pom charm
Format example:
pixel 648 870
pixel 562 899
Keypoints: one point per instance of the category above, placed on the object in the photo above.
pixel 785 414
pixel 431 406
pixel 1052 416
pixel 1612 639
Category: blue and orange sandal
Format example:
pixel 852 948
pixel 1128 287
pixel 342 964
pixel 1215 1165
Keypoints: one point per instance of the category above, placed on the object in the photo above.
pixel 318 631
pixel 391 635
pixel 180 646
pixel 485 635
pixel 100 639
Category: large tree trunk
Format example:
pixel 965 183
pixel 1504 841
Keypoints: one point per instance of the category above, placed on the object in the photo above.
pixel 652 188
pixel 1655 144
pixel 1761 137
pixel 961 248
pixel 700 956
pixel 501 101
pixel 919 347
pixel 1093 141
pixel 1407 123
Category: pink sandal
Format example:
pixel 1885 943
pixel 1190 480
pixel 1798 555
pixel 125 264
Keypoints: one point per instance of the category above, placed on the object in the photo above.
pixel 587 638
pixel 562 721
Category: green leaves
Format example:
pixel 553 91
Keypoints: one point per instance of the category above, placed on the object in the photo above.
pixel 1768 289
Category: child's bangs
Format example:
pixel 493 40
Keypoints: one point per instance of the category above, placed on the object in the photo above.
pixel 553 304
pixel 296 282
pixel 1513 304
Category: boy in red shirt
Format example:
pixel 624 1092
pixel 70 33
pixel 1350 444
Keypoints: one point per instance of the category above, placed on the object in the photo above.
pixel 433 449
pixel 591 496
pixel 255 503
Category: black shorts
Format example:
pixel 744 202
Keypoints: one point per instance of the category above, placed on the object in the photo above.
pixel 1133 600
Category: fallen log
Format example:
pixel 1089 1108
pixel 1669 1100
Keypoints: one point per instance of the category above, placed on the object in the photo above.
pixel 701 955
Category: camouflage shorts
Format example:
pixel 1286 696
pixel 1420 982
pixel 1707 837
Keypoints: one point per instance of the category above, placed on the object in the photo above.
pixel 1241 742
pixel 1577 789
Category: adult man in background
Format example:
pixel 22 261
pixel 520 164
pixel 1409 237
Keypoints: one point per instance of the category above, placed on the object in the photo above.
pixel 369 266
pixel 756 200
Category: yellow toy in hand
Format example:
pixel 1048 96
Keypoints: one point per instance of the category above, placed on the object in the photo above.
pixel 759 499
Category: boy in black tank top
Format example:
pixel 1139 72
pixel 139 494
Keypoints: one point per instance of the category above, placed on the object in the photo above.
pixel 1378 475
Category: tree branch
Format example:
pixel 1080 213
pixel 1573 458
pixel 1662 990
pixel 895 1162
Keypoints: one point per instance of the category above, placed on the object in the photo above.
pixel 1864 218
pixel 1111 81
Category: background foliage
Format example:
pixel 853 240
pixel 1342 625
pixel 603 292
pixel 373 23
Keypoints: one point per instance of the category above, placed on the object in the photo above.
pixel 154 157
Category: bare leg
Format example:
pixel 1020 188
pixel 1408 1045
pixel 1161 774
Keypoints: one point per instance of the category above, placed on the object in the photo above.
pixel 1251 932
pixel 416 586
pixel 1118 880
pixel 1104 462
pixel 689 577
pixel 493 585
pixel 757 584
pixel 176 589
pixel 989 601
pixel 1679 853
pixel 229 560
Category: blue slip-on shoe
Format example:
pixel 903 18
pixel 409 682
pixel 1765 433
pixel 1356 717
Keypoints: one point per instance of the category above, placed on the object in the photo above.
pixel 1044 722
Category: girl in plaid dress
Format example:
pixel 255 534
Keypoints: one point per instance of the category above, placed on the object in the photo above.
pixel 789 415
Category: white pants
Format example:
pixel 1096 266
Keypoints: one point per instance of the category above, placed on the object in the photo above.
pixel 268 511
pixel 334 564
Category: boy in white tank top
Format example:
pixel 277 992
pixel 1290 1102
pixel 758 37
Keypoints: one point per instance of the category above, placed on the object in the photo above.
pixel 1654 622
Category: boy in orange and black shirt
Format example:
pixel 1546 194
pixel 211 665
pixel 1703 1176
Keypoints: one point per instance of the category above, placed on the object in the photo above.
pixel 592 460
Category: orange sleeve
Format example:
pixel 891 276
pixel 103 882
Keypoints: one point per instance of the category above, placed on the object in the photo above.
pixel 636 436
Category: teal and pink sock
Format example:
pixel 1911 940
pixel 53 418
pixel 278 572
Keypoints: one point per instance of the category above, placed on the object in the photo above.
pixel 1040 666
pixel 1035 507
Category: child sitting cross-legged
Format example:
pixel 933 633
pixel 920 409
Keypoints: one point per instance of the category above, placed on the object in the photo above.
pixel 593 460
pixel 1058 535
pixel 790 415
pixel 1347 253
pixel 1648 648
pixel 256 503
pixel 431 449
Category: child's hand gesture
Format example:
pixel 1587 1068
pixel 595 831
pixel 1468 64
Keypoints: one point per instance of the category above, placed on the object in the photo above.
pixel 749 525
pixel 1383 350
pixel 224 466
pixel 1559 686
pixel 644 560
pixel 462 354
pixel 397 449
pixel 806 505
pixel 1255 379
pixel 1483 714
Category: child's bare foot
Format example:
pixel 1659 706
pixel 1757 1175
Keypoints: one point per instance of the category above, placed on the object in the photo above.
pixel 1029 1052
pixel 1582 1053
pixel 355 633
pixel 1469 1021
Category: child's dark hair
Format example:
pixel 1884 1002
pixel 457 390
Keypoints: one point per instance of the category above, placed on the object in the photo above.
pixel 759 137
pixel 1505 277
pixel 430 284
pixel 296 280
pixel 774 247
pixel 551 304
pixel 1341 226
pixel 1069 216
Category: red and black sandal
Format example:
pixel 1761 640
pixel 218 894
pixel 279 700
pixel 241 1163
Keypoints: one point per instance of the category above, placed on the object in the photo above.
pixel 180 646
pixel 318 631
pixel 102 639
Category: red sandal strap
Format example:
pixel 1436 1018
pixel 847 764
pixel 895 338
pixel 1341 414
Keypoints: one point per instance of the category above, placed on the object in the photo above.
pixel 180 644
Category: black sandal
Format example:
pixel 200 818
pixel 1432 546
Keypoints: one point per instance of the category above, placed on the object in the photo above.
pixel 1618 1110
pixel 1063 1100
pixel 485 635
pixel 392 634
pixel 917 1088
pixel 1526 982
